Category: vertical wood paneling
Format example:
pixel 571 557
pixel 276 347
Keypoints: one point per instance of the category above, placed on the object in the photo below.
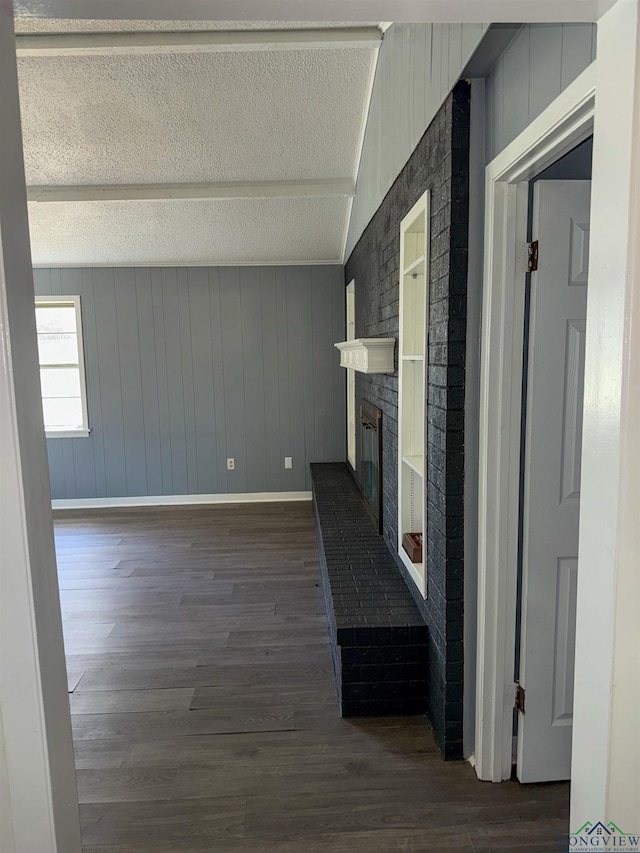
pixel 42 287
pixel 203 381
pixel 92 367
pixel 308 366
pixel 323 330
pixel 268 299
pixel 418 65
pixel 188 366
pixel 498 101
pixel 254 379
pixel 338 377
pixel 455 51
pixel 471 36
pixel 149 376
pixel 84 464
pixel 42 282
pixel 516 85
pixel 446 48
pixel 435 79
pixel 56 468
pixel 175 386
pixel 56 281
pixel 283 321
pixel 131 382
pixel 545 63
pixel 110 384
pixel 160 355
pixel 69 471
pixel 233 376
pixel 577 45
pixel 224 484
pixel 541 61
pixel 184 315
pixel 297 278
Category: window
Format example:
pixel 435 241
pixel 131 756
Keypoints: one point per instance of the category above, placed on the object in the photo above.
pixel 64 393
pixel 351 379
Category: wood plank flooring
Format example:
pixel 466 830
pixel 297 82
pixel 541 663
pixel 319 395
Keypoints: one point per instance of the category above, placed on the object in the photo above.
pixel 204 709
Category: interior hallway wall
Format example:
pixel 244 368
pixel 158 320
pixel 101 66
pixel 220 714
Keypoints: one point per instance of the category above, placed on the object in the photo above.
pixel 540 62
pixel 188 366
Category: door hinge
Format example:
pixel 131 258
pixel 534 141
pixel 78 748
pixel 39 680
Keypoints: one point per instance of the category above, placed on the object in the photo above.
pixel 519 704
pixel 532 265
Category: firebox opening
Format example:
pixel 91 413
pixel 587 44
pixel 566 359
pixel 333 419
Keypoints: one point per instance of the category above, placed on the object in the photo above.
pixel 371 459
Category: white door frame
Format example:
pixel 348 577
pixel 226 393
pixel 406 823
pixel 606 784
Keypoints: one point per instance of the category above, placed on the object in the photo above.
pixel 563 125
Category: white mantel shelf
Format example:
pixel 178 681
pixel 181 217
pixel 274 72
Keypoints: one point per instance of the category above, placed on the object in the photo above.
pixel 368 355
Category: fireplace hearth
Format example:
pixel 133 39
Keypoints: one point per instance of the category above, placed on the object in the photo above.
pixel 371 459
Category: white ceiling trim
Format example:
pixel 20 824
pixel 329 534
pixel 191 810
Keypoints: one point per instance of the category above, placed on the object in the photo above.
pixel 340 188
pixel 363 131
pixel 429 11
pixel 114 44
pixel 184 264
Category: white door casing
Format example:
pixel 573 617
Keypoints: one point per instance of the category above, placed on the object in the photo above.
pixel 351 376
pixel 551 478
pixel 39 798
pixel 563 125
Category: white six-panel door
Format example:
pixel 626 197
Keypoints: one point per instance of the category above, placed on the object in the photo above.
pixel 551 493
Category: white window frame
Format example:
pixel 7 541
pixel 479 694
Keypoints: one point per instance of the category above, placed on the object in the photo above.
pixel 351 375
pixel 84 431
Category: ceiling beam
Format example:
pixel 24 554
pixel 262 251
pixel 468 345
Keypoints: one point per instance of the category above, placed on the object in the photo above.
pixel 112 44
pixel 436 11
pixel 340 188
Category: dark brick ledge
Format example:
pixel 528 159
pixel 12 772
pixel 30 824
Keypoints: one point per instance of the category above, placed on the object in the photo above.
pixel 378 637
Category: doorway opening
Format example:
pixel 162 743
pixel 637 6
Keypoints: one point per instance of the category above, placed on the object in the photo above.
pixel 563 126
pixel 555 309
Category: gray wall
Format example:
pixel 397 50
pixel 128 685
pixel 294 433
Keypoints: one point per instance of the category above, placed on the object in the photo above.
pixel 540 62
pixel 418 65
pixel 188 366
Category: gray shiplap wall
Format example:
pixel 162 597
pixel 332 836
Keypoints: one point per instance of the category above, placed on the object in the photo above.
pixel 188 366
pixel 540 62
pixel 418 66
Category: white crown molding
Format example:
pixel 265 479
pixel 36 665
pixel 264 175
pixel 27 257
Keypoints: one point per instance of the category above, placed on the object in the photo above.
pixel 116 44
pixel 427 11
pixel 181 264
pixel 337 188
pixel 178 500
pixel 363 133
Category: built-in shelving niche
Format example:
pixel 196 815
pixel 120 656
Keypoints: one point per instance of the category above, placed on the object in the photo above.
pixel 412 365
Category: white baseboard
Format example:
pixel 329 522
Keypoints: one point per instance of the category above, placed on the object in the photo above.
pixel 179 500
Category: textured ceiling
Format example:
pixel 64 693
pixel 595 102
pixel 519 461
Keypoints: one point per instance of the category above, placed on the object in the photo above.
pixel 196 118
pixel 180 232
pixel 272 115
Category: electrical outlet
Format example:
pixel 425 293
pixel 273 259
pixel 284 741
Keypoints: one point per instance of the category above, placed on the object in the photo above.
pixel 231 464
pixel 288 461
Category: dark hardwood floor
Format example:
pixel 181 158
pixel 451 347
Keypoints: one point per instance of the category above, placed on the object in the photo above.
pixel 204 709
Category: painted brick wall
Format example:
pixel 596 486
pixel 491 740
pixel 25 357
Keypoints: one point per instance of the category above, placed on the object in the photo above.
pixel 440 163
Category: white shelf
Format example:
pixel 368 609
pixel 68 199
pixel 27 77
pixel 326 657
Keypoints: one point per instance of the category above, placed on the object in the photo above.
pixel 416 463
pixel 368 355
pixel 416 268
pixel 412 364
pixel 416 570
